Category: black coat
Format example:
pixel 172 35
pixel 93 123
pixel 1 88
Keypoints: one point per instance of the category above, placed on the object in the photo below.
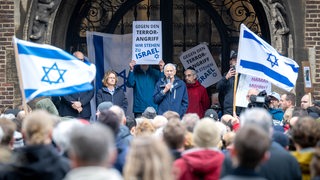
pixel 118 98
pixel 225 88
pixel 65 106
pixel 36 162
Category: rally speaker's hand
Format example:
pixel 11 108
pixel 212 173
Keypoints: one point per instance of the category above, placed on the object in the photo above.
pixel 161 65
pixel 132 64
pixel 167 87
pixel 231 73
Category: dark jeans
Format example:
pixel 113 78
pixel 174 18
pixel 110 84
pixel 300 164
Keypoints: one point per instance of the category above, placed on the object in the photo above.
pixel 137 115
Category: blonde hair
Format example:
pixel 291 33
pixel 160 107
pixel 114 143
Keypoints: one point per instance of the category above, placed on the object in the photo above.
pixel 159 121
pixel 188 141
pixel 145 127
pixel 171 114
pixel 37 127
pixel 287 115
pixel 106 75
pixel 148 158
pixel 8 128
pixel 21 107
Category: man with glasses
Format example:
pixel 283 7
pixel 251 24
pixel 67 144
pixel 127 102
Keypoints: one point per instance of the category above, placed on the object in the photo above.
pixel 197 94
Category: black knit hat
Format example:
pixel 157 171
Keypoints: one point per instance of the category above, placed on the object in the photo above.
pixel 233 55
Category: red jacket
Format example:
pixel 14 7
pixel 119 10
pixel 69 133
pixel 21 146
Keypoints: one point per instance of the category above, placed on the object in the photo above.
pixel 199 163
pixel 198 99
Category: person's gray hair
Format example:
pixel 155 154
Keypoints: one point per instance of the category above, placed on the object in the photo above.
pixel 92 144
pixel 190 120
pixel 119 112
pixel 194 73
pixel 170 64
pixel 61 133
pixel 257 116
pixel 7 116
pixel 104 106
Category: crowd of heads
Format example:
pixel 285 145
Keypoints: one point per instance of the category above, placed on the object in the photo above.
pixel 166 146
pixel 157 141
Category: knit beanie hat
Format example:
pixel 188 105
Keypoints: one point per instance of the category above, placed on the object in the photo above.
pixel 149 113
pixel 104 105
pixel 211 113
pixel 206 133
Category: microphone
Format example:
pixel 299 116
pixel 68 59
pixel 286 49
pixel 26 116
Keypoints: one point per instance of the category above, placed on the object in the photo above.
pixel 168 80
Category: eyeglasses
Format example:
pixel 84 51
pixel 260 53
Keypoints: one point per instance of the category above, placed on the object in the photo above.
pixel 188 75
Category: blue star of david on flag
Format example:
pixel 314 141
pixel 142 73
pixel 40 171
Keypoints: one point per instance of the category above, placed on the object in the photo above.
pixel 265 62
pixel 123 75
pixel 273 60
pixel 53 75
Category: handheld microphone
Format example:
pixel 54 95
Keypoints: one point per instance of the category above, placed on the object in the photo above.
pixel 168 80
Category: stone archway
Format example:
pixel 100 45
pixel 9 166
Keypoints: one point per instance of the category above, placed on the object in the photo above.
pixel 59 16
pixel 63 16
pixel 297 43
pixel 48 21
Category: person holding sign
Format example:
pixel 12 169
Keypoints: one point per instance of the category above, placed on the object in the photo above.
pixel 171 92
pixel 197 94
pixel 142 78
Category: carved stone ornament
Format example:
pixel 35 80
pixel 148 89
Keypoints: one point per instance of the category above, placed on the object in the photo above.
pixel 44 10
pixel 278 17
pixel 279 29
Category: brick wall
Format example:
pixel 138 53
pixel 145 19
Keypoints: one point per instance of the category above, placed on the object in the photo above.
pixel 312 37
pixel 8 77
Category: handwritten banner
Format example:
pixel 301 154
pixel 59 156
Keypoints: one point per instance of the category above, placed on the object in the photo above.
pixel 247 82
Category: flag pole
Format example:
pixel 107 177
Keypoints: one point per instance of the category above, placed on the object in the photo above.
pixel 235 84
pixel 24 102
pixel 310 99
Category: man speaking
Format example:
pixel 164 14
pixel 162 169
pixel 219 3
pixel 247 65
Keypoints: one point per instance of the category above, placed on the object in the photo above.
pixel 170 92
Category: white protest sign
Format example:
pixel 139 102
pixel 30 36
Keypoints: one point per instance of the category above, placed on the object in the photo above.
pixel 200 58
pixel 247 82
pixel 147 42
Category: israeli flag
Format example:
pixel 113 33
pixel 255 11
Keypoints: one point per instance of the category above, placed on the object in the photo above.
pixel 111 51
pixel 258 58
pixel 46 70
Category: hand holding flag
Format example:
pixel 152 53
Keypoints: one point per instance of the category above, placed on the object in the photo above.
pixel 258 58
pixel 45 70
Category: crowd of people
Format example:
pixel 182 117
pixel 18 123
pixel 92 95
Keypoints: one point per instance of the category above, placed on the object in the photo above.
pixel 177 132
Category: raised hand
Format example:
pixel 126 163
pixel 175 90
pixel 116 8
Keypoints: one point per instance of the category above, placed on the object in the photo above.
pixel 161 65
pixel 132 64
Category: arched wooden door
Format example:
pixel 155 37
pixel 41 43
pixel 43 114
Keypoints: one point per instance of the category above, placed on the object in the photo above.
pixel 186 23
